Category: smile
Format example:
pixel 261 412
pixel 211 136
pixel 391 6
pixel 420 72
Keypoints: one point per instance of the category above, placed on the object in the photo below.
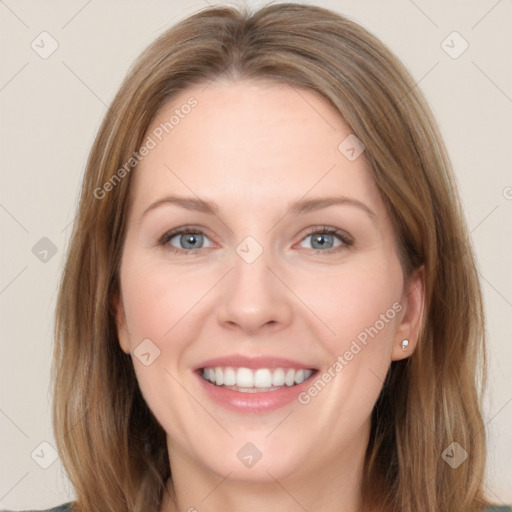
pixel 259 380
pixel 255 383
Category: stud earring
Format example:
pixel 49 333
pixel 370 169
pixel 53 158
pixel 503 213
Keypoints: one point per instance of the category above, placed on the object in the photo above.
pixel 405 344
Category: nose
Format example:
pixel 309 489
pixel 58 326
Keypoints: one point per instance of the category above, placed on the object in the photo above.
pixel 255 298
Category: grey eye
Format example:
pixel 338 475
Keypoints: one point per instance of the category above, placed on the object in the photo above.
pixel 189 240
pixel 320 240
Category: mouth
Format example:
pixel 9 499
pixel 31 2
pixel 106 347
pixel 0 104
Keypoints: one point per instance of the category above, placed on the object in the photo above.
pixel 260 380
pixel 256 390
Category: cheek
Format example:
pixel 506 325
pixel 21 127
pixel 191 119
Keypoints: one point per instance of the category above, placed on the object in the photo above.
pixel 361 305
pixel 157 303
pixel 156 300
pixel 148 310
pixel 360 302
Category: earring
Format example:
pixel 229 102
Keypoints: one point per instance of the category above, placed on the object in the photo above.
pixel 405 344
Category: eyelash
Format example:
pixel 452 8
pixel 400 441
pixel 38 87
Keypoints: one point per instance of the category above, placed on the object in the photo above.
pixel 347 242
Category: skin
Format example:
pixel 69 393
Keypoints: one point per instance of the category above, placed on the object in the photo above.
pixel 254 147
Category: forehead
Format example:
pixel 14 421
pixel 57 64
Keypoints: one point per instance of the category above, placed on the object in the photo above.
pixel 252 142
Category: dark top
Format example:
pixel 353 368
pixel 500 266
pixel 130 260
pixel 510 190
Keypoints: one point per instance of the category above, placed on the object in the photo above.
pixel 68 507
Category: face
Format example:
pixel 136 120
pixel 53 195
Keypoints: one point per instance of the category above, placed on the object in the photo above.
pixel 260 287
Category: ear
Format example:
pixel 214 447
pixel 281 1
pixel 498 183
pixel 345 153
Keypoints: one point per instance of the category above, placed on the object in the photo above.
pixel 413 301
pixel 120 317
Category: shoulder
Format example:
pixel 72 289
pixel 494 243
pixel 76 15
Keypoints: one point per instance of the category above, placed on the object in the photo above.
pixel 498 508
pixel 66 507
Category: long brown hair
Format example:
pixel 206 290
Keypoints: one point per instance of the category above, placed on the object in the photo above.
pixel 113 449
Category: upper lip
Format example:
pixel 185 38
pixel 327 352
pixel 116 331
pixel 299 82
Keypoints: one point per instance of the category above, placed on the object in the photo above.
pixel 255 362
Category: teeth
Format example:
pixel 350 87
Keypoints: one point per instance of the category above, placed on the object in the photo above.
pixel 289 380
pixel 252 379
pixel 262 378
pixel 278 377
pixel 229 377
pixel 244 378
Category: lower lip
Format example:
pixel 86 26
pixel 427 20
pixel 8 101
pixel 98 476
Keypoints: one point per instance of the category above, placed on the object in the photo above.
pixel 267 401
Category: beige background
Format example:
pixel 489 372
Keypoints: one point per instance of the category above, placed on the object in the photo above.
pixel 51 109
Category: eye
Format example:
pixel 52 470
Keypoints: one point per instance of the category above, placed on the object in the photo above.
pixel 191 238
pixel 188 239
pixel 323 239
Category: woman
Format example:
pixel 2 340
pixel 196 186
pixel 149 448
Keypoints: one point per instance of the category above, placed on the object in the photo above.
pixel 256 371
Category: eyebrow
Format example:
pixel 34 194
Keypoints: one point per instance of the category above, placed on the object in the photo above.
pixel 298 207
